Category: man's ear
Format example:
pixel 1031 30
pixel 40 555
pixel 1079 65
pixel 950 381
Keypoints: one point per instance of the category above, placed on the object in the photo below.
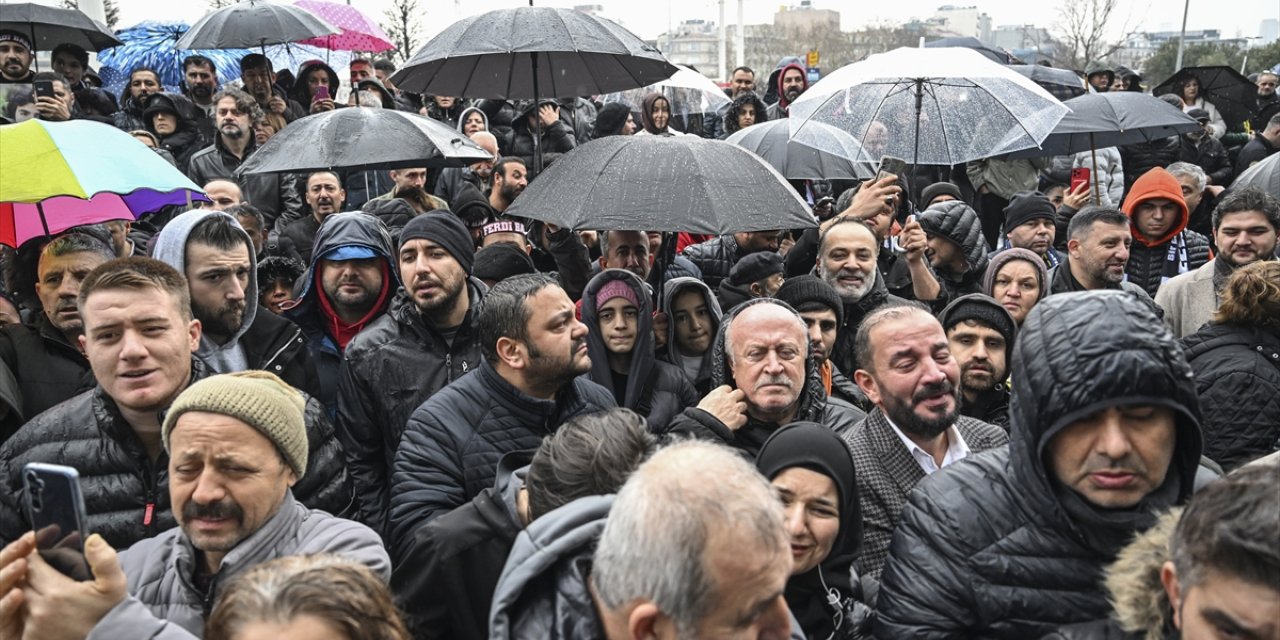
pixel 868 385
pixel 512 353
pixel 757 291
pixel 1172 590
pixel 646 621
pixel 1073 248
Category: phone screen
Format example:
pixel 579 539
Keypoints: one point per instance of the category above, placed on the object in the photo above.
pixel 56 508
pixel 322 93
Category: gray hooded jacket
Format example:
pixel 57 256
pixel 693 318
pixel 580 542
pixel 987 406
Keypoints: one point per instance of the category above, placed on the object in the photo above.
pixel 674 287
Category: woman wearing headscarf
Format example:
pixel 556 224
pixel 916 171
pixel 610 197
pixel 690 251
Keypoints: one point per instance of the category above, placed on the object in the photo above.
pixel 472 120
pixel 747 109
pixel 1017 279
pixel 812 470
pixel 613 119
pixel 655 115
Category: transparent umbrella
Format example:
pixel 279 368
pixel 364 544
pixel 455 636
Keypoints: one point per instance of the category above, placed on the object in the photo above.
pixel 690 93
pixel 930 106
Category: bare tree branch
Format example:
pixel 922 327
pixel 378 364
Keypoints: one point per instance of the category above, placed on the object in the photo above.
pixel 400 21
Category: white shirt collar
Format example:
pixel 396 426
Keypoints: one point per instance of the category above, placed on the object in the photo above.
pixel 957 448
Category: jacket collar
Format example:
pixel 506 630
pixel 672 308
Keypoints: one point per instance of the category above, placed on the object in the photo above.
pixel 521 403
pixel 266 543
pixel 905 471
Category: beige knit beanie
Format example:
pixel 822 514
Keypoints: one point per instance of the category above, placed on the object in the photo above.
pixel 257 398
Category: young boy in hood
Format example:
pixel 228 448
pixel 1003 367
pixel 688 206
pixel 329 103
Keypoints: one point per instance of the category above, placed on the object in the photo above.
pixel 1162 247
pixel 694 321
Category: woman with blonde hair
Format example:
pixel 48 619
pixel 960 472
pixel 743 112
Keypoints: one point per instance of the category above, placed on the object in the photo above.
pixel 1236 359
pixel 321 597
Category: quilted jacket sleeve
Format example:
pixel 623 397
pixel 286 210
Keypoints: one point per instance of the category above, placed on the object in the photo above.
pixel 427 477
pixel 358 430
pixel 326 485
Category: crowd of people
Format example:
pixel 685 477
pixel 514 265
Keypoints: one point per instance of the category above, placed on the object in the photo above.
pixel 370 404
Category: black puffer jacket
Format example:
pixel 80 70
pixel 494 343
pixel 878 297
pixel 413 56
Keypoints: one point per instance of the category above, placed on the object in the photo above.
pixel 854 313
pixel 452 443
pixel 960 224
pixel 389 369
pixel 1210 155
pixel 1238 378
pixel 656 390
pixel 815 406
pixel 47 368
pixel 1146 264
pixel 1138 159
pixel 120 481
pixel 557 139
pixel 994 546
pixel 714 258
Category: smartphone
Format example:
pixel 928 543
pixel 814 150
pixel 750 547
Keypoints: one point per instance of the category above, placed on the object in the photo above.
pixel 43 88
pixel 55 505
pixel 891 164
pixel 322 93
pixel 1078 177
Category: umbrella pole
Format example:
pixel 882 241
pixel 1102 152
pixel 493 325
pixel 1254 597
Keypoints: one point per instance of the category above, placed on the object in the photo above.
pixel 915 153
pixel 537 116
pixel 1093 154
pixel 44 224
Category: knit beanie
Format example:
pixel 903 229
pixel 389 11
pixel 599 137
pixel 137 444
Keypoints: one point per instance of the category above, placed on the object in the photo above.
pixel 1026 206
pixel 984 309
pixel 256 398
pixel 809 288
pixel 9 35
pixel 937 189
pixel 500 261
pixel 755 267
pixel 609 119
pixel 616 289
pixel 445 229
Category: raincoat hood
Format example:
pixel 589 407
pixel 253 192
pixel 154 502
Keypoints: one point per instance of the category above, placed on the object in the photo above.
pixel 1079 353
pixel 1097 66
pixel 782 96
pixel 301 91
pixel 1156 184
pixel 462 117
pixel 642 359
pixel 171 248
pixel 771 87
pixel 676 286
pixel 813 395
pixel 179 105
pixel 959 223
pixel 646 113
pixel 349 229
pixel 1009 255
pixel 388 100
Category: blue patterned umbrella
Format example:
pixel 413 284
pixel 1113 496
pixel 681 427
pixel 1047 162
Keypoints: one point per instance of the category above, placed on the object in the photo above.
pixel 152 44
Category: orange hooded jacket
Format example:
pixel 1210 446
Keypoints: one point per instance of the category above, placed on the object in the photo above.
pixel 1156 184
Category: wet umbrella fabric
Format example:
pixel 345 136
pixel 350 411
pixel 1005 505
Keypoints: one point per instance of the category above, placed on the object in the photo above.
pixel 1112 119
pixel 154 44
pixel 800 158
pixel 931 106
pixel 658 183
pixel 52 26
pixel 1062 84
pixel 994 55
pixel 254 23
pixel 1264 175
pixel 363 138
pixel 1233 94
pixel 358 32
pixel 688 92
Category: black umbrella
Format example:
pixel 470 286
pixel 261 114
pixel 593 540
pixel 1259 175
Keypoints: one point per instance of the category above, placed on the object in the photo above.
pixel 1062 84
pixel 657 183
pixel 995 55
pixel 254 23
pixel 1233 94
pixel 532 53
pixel 1264 174
pixel 363 138
pixel 800 158
pixel 51 26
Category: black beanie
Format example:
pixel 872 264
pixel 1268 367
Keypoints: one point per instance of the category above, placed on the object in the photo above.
pixel 502 260
pixel 445 229
pixel 807 288
pixel 755 267
pixel 1026 206
pixel 984 309
pixel 609 119
pixel 936 189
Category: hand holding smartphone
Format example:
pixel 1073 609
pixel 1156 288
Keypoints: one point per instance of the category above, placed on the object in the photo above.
pixel 55 506
pixel 1078 177
pixel 322 93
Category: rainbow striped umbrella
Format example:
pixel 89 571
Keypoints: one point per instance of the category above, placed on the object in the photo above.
pixel 58 175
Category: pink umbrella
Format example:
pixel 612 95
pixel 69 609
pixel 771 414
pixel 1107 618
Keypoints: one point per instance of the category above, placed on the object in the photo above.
pixel 358 32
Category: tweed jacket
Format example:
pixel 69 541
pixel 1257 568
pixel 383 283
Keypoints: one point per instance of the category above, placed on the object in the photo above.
pixel 887 473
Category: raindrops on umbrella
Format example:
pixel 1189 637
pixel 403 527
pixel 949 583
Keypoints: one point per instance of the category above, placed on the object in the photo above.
pixel 153 44
pixel 358 32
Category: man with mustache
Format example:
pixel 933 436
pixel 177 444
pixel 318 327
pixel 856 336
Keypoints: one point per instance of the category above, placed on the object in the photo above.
pixel 1104 438
pixel 140 339
pixel 1098 246
pixel 426 340
pixel 509 177
pixel 793 80
pixel 15 57
pixel 216 255
pixel 199 83
pixel 235 444
pixel 762 378
pixel 44 355
pixel 530 382
pixel 908 372
pixel 1244 229
pixel 325 196
pixel 848 255
pixel 980 332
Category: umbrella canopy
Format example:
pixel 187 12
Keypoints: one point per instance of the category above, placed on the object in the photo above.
pixel 1233 94
pixel 154 44
pixel 363 138
pixel 1062 84
pixel 357 31
pixel 51 26
pixel 658 183
pixel 930 106
pixel 800 158
pixel 999 56
pixel 1112 119
pixel 1264 175
pixel 57 175
pixel 254 23
pixel 688 91
pixel 532 52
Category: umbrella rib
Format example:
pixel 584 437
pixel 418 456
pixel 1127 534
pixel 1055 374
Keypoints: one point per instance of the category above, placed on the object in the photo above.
pixel 1011 113
pixel 942 122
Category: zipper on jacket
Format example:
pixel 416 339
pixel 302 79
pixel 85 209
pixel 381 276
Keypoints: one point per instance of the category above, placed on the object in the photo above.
pixel 448 366
pixel 297 336
pixel 207 597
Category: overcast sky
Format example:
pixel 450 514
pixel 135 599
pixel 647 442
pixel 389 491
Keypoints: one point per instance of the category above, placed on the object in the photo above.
pixel 649 18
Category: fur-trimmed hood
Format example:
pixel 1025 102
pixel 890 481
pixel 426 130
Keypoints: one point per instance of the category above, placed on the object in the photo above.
pixel 1133 581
